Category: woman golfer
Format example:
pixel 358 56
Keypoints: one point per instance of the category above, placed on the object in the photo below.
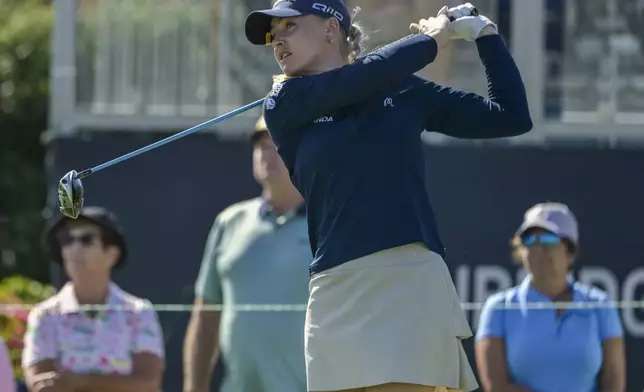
pixel 383 314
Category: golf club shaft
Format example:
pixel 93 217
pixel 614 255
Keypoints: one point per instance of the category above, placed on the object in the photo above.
pixel 88 172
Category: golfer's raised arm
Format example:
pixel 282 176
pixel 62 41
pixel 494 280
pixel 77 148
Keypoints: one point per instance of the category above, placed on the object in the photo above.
pixel 466 115
pixel 301 100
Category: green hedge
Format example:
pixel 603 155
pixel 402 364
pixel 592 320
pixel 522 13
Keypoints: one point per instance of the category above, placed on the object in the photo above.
pixel 18 291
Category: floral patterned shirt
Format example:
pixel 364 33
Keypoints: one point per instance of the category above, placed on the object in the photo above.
pixel 57 329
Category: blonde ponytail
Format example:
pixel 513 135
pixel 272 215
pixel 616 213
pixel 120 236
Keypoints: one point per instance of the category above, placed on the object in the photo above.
pixel 277 79
pixel 355 38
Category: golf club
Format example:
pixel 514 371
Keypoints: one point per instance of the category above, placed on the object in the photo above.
pixel 71 194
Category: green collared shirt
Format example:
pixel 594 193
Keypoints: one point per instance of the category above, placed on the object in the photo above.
pixel 255 257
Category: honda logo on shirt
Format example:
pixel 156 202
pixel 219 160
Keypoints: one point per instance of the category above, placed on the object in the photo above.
pixel 328 10
pixel 323 119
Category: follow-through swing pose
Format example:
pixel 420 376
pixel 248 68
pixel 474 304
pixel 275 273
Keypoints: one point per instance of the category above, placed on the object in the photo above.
pixel 383 313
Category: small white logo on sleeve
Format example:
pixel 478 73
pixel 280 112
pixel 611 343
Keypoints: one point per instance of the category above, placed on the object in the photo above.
pixel 389 102
pixel 275 91
pixel 270 104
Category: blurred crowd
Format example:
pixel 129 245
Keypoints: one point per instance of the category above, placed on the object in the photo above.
pixel 94 336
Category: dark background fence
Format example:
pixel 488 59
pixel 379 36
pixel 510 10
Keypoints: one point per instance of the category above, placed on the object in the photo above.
pixel 168 198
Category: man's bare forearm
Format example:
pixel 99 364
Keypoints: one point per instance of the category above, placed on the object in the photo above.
pixel 200 351
pixel 111 383
pixel 613 382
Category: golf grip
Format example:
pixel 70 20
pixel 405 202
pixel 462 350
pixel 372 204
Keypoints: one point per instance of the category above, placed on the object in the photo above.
pixel 474 12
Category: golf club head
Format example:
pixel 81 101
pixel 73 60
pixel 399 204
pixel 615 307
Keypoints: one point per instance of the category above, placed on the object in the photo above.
pixel 71 195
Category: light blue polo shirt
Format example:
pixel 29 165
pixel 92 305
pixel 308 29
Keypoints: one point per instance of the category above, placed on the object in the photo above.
pixel 254 257
pixel 545 353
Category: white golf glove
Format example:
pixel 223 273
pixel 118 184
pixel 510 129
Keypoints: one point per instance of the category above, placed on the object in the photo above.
pixel 464 25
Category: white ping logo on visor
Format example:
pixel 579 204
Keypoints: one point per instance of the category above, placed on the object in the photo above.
pixel 328 10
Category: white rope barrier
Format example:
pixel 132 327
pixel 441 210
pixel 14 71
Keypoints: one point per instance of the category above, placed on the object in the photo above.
pixel 4 308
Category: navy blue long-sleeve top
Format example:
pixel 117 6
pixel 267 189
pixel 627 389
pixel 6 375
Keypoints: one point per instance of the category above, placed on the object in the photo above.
pixel 350 138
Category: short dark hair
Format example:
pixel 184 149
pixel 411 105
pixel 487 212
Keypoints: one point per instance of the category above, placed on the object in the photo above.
pixel 260 131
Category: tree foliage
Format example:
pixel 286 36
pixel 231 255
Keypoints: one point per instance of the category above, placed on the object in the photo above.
pixel 19 293
pixel 25 29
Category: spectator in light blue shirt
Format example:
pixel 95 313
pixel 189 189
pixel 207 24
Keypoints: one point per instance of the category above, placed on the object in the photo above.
pixel 524 349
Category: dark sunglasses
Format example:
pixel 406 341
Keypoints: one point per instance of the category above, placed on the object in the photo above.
pixel 86 239
pixel 543 239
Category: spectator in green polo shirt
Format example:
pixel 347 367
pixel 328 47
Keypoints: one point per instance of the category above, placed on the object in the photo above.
pixel 257 253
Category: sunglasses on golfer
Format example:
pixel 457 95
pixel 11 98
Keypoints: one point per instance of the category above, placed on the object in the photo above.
pixel 544 239
pixel 85 239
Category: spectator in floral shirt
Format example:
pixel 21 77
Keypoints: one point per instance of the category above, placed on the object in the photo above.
pixel 69 349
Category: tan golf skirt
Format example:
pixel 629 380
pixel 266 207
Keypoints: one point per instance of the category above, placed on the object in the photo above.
pixel 389 317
